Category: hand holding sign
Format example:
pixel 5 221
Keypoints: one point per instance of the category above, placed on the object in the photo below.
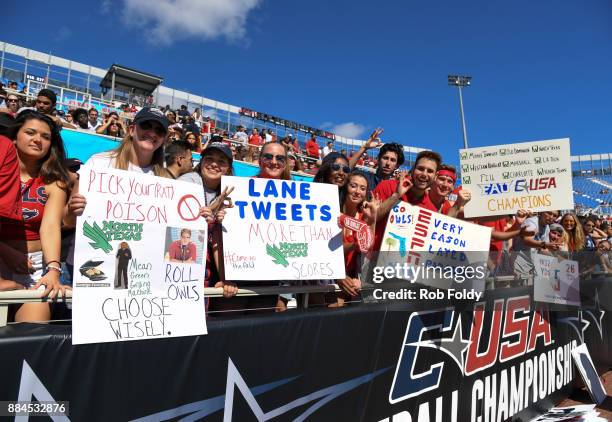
pixel 463 197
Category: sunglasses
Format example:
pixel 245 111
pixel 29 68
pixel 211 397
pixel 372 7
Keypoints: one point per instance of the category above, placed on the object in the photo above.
pixel 12 100
pixel 281 159
pixel 148 125
pixel 338 167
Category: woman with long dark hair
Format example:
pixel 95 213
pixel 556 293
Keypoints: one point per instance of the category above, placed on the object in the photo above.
pixel 31 247
pixel 334 170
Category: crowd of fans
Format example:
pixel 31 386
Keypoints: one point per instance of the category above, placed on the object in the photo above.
pixel 39 199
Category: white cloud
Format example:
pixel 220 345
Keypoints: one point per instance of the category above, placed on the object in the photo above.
pixel 349 130
pixel 167 21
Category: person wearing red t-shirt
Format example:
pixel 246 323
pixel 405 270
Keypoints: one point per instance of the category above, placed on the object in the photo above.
pixel 183 250
pixel 10 195
pixel 411 188
pixel 254 142
pixel 448 201
pixel 312 147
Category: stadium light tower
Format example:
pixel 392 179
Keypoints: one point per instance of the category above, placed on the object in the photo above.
pixel 461 82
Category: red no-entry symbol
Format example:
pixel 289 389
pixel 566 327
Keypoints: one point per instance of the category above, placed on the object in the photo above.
pixel 189 207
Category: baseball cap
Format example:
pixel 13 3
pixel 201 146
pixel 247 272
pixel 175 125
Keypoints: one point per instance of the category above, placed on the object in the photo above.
pixel 221 147
pixel 148 113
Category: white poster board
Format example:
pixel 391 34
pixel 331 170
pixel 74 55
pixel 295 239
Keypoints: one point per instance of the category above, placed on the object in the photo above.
pixel 140 255
pixel 555 281
pixel 584 363
pixel 534 176
pixel 425 240
pixel 282 230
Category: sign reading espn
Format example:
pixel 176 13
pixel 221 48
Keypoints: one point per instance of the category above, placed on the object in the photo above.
pixel 534 176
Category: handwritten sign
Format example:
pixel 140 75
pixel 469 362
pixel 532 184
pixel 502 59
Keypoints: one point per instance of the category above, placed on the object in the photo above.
pixel 555 281
pixel 440 251
pixel 503 179
pixel 282 230
pixel 139 271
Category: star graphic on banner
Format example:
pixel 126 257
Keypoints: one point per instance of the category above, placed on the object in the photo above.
pixel 578 324
pixel 597 314
pixel 453 346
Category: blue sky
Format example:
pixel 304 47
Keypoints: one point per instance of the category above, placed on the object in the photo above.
pixel 541 69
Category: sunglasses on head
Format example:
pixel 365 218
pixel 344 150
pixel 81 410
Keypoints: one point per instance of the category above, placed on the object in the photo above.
pixel 148 125
pixel 338 167
pixel 269 157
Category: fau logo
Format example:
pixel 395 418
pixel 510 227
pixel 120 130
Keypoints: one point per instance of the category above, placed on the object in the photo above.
pixel 519 185
pixel 512 333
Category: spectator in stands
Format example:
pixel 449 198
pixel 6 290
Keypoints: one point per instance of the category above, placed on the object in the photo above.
pixel 267 135
pixel 80 119
pixel 589 234
pixel 390 158
pixel 141 149
pixel 574 232
pixel 183 113
pixel 312 147
pixel 215 162
pixel 355 204
pixel 191 126
pixel 447 201
pixel 329 147
pixel 179 160
pixel 254 142
pixel 601 261
pixel 194 141
pixel 295 164
pixel 10 197
pixel 217 135
pixel 45 104
pixel 12 105
pixel 296 145
pixel 112 126
pixel 334 170
pixel 558 237
pixel 411 188
pixel 241 135
pixel 273 163
pixel 93 119
pixel 538 237
pixel 34 241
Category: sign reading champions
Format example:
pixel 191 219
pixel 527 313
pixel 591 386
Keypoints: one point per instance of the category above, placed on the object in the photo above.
pixel 139 258
pixel 282 230
pixel 503 179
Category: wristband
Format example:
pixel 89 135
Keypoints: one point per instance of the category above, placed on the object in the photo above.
pixel 57 262
pixel 53 267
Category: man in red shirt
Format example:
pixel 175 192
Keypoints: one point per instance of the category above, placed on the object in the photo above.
pixel 411 188
pixel 10 195
pixel 448 201
pixel 312 147
pixel 254 142
pixel 183 250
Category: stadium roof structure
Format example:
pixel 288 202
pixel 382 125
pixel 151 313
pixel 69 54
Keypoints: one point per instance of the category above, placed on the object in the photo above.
pixel 130 80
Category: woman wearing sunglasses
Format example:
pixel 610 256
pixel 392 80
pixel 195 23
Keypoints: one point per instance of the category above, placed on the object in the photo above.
pixel 273 162
pixel 30 247
pixel 334 170
pixel 140 151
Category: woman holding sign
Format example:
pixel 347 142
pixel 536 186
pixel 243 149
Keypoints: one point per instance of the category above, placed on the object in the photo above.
pixel 34 242
pixel 354 204
pixel 215 162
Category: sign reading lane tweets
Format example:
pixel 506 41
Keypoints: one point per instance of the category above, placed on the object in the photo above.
pixel 534 176
pixel 282 230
